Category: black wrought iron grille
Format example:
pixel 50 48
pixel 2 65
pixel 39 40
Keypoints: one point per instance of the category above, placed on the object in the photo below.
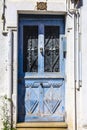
pixel 30 48
pixel 51 48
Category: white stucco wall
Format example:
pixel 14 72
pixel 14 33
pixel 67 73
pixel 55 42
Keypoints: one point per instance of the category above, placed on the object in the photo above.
pixel 70 72
pixel 12 8
pixel 3 57
pixel 84 66
pixel 20 5
pixel 3 62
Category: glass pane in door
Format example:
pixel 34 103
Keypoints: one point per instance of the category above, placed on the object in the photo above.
pixel 30 48
pixel 51 48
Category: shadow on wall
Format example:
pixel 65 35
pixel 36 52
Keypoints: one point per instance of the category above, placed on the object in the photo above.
pixel 78 3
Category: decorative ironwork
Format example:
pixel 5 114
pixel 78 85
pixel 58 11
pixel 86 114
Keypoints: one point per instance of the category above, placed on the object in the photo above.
pixel 51 61
pixel 41 6
pixel 30 63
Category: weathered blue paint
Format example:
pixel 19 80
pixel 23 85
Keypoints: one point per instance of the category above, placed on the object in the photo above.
pixel 41 45
pixel 41 95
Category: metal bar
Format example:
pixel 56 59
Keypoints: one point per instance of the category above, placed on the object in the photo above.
pixel 54 63
pixel 80 56
pixel 75 97
pixel 77 53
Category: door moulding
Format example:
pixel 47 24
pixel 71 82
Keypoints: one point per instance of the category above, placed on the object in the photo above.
pixel 41 12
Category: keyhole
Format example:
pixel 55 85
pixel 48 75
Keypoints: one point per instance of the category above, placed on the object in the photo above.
pixel 41 85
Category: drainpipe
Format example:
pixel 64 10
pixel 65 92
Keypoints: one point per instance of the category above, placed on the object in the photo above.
pixel 77 62
pixel 80 55
pixel 77 50
pixel 75 71
pixel 10 74
pixel 77 58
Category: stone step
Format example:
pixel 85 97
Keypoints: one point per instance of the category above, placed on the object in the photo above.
pixel 42 126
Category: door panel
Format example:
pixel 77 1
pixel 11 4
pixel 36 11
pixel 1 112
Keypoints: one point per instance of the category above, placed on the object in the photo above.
pixel 41 86
pixel 43 100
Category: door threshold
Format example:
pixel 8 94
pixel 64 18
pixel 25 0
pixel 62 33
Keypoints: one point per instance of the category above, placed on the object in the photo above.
pixel 42 125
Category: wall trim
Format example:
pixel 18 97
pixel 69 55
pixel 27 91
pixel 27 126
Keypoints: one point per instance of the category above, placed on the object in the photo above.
pixel 41 12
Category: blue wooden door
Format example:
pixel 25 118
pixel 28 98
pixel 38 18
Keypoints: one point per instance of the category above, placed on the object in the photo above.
pixel 41 89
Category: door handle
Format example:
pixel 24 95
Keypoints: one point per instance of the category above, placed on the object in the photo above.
pixel 41 50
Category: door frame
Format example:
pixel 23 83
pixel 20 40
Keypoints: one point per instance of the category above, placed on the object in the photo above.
pixel 62 76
